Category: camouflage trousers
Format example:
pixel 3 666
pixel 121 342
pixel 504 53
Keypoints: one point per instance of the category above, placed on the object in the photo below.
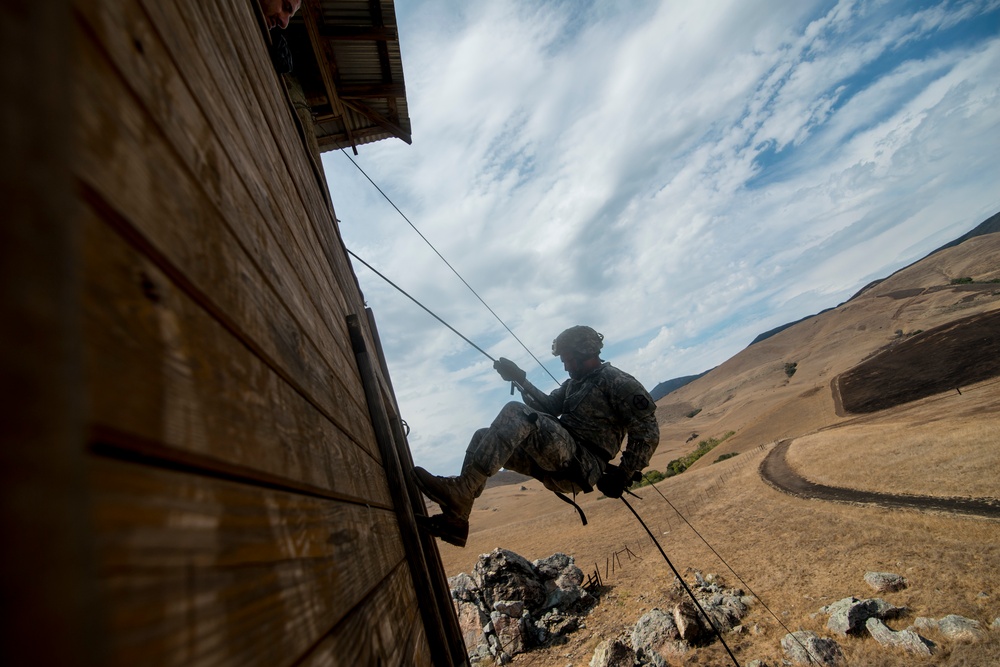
pixel 536 444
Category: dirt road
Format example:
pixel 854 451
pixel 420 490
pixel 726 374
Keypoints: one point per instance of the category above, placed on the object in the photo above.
pixel 774 469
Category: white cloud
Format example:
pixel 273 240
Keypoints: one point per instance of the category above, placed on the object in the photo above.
pixel 681 176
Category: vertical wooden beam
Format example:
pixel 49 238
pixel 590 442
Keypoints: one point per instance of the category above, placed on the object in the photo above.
pixel 439 581
pixel 45 581
pixel 312 14
pixel 430 613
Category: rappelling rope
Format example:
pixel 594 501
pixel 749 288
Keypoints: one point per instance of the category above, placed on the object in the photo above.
pixel 728 566
pixel 453 270
pixel 429 311
pixel 683 583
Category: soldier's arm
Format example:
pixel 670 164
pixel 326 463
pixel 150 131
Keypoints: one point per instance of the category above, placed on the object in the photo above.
pixel 639 410
pixel 536 399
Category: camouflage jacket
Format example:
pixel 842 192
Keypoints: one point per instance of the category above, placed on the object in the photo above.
pixel 599 409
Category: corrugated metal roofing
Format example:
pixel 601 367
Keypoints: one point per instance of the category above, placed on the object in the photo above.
pixel 356 42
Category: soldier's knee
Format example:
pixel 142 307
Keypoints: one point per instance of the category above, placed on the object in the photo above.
pixel 513 408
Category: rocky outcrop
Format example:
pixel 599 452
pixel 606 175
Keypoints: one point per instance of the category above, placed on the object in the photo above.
pixel 664 635
pixel 953 627
pixel 848 616
pixel 509 605
pixel 885 582
pixel 907 640
pixel 808 648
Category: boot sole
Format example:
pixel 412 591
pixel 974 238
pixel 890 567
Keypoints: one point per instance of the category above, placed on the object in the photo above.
pixel 442 527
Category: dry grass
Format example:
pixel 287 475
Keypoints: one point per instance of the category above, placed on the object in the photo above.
pixel 797 555
pixel 945 445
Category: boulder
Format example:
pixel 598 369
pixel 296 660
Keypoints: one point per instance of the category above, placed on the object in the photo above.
pixel 885 582
pixel 471 620
pixel 848 616
pixel 509 605
pixel 504 575
pixel 907 640
pixel 613 653
pixel 510 632
pixel 959 628
pixel 689 626
pixel 808 648
pixel 655 638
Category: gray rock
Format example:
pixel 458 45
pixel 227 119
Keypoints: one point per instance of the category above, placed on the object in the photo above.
pixel 885 582
pixel 613 653
pixel 505 575
pixel 471 621
pixel 463 587
pixel 553 566
pixel 510 632
pixel 509 607
pixel 908 640
pixel 848 616
pixel 995 625
pixel 655 638
pixel 808 648
pixel 959 628
pixel 952 626
pixel 686 620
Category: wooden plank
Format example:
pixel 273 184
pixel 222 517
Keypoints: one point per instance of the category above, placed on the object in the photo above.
pixel 247 278
pixel 241 65
pixel 166 378
pixel 366 638
pixel 232 128
pixel 45 583
pixel 262 80
pixel 199 571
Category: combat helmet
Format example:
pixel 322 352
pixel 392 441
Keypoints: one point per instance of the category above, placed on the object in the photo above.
pixel 580 341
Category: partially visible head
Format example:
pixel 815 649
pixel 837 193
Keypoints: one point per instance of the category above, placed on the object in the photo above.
pixel 277 13
pixel 579 348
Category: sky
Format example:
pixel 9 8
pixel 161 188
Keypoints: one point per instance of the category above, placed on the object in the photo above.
pixel 681 176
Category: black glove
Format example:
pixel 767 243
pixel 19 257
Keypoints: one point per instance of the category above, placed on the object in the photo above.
pixel 613 482
pixel 509 371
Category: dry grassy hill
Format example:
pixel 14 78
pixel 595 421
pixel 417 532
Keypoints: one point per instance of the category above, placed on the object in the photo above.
pixel 797 554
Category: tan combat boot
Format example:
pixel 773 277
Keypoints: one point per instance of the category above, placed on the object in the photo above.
pixel 455 495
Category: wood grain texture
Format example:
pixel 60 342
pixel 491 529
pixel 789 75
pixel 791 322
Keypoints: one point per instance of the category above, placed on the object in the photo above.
pixel 161 369
pixel 203 571
pixel 384 630
pixel 228 255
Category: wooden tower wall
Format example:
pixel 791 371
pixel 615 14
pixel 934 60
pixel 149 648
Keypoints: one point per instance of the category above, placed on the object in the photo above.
pixel 203 462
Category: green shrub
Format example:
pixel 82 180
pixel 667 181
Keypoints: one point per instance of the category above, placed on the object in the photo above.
pixel 791 367
pixel 961 281
pixel 677 466
pixel 723 457
pixel 693 413
pixel 651 477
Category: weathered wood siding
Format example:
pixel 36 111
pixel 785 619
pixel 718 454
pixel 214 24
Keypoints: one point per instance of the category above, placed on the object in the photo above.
pixel 236 502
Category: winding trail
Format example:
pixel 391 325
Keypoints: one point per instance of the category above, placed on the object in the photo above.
pixel 774 470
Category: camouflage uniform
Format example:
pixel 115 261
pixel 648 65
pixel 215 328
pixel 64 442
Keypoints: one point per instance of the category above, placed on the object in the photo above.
pixel 566 438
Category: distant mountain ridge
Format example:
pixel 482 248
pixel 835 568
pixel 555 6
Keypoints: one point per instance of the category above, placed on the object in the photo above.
pixel 989 226
pixel 664 388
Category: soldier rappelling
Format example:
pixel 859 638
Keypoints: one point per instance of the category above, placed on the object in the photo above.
pixel 565 439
